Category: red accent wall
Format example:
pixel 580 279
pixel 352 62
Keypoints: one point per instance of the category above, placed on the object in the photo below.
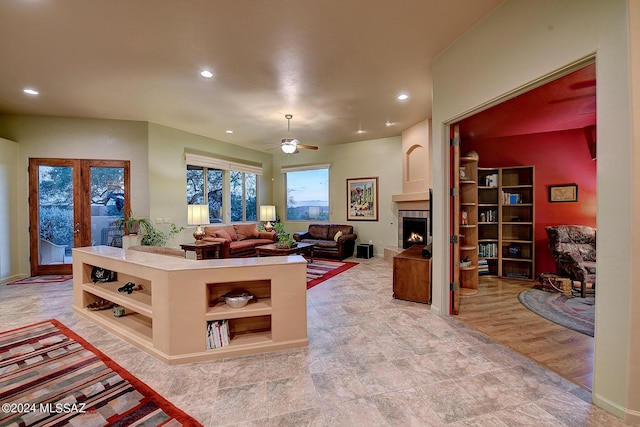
pixel 559 158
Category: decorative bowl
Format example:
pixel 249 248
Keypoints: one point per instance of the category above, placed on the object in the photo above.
pixel 237 299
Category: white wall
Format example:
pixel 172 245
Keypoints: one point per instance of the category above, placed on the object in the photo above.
pixel 520 43
pixel 55 137
pixel 8 209
pixel 379 157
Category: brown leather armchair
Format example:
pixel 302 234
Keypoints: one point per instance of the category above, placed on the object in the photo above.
pixel 329 240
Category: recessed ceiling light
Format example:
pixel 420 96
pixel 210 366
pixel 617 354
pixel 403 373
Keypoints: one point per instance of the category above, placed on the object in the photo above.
pixel 30 91
pixel 229 131
pixel 403 97
pixel 388 123
pixel 206 74
pixel 360 131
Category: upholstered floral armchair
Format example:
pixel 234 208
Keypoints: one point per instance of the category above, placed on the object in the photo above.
pixel 574 251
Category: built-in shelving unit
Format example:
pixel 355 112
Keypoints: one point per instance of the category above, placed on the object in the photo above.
pixel 517 222
pixel 506 208
pixel 468 246
pixel 168 317
pixel 488 221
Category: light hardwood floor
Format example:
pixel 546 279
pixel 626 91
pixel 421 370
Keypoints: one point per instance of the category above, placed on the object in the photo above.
pixel 496 312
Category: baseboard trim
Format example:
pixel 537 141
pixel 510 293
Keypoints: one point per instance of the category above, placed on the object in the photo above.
pixel 626 414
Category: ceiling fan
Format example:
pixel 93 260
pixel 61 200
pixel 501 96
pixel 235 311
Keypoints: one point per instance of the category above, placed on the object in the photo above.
pixel 291 145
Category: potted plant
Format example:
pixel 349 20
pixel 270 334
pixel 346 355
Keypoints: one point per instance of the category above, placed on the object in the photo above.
pixel 133 224
pixel 285 241
pixel 155 237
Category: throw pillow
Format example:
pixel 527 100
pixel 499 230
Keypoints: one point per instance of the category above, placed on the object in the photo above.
pixel 223 235
pixel 246 231
pixel 337 236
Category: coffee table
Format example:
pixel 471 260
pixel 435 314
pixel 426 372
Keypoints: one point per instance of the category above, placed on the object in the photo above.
pixel 203 250
pixel 273 250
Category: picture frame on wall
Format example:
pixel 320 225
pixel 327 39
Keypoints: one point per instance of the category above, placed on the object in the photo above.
pixel 563 193
pixel 362 199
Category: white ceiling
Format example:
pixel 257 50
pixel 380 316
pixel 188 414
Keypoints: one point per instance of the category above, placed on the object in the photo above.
pixel 336 65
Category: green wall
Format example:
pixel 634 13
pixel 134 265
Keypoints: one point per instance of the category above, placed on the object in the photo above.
pixel 157 159
pixel 71 138
pixel 167 179
pixel 380 158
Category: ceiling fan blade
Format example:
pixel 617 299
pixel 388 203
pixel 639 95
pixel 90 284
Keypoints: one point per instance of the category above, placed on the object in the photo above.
pixel 307 147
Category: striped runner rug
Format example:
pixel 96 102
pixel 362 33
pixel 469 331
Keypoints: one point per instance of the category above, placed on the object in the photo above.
pixel 49 376
pixel 322 269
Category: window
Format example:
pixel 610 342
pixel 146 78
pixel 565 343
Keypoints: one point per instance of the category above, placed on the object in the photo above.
pixel 243 196
pixel 219 183
pixel 201 191
pixel 307 193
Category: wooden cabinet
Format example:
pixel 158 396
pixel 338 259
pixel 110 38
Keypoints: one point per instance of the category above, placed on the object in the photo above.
pixel 169 317
pixel 506 236
pixel 412 275
pixel 468 221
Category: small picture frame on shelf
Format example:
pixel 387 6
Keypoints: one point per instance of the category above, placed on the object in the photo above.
pixel 464 176
pixel 563 193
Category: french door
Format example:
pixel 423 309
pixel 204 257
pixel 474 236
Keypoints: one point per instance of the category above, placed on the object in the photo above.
pixel 74 203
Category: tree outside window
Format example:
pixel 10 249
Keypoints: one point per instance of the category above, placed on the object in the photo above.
pixel 243 196
pixel 207 191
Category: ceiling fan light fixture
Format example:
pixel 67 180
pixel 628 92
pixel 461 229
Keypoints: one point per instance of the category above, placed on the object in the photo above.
pixel 289 145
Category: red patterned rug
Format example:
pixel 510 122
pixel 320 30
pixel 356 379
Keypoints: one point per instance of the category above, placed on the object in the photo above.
pixel 56 278
pixel 322 269
pixel 49 376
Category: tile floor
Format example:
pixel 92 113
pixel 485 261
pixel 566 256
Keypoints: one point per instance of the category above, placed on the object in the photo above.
pixel 371 360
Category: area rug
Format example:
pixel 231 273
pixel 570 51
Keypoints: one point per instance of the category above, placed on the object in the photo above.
pixel 51 376
pixel 322 269
pixel 55 278
pixel 573 313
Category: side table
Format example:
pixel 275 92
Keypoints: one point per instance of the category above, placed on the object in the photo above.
pixel 203 250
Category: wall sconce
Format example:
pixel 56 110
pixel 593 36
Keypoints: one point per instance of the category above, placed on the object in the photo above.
pixel 198 215
pixel 268 214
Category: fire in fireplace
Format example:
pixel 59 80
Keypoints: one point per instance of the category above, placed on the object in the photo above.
pixel 414 231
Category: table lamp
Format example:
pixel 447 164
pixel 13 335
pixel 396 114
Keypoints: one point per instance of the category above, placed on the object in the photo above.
pixel 198 215
pixel 268 214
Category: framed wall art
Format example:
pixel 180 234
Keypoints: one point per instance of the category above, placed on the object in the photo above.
pixel 563 193
pixel 362 199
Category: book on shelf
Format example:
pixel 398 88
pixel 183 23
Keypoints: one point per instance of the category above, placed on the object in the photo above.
pixel 487 250
pixel 511 198
pixel 483 267
pixel 489 216
pixel 217 334
pixel 489 180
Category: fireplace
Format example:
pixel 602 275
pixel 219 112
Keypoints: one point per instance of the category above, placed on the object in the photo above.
pixel 414 232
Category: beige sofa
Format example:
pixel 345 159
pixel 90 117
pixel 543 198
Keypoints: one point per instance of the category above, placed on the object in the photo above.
pixel 238 240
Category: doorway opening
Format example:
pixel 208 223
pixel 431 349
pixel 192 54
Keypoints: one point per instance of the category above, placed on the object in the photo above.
pixel 551 128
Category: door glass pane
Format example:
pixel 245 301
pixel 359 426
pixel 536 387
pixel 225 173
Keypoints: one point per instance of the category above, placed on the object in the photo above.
pixel 55 214
pixel 107 205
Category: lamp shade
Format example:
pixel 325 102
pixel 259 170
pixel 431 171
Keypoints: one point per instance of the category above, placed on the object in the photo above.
pixel 267 213
pixel 197 214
